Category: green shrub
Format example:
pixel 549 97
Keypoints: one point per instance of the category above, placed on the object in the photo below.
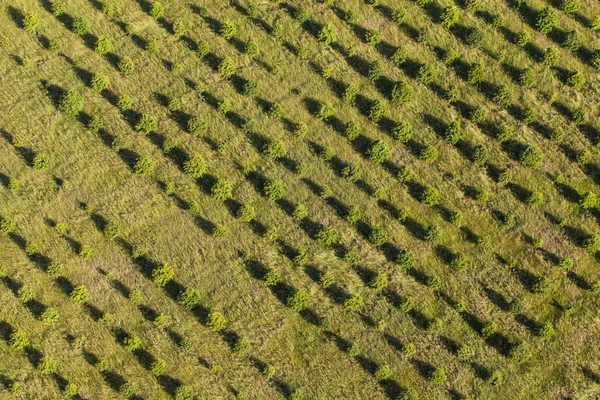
pixel 188 299
pixel 428 153
pixel 460 262
pixel 301 15
pixel 57 7
pixel 382 373
pixel 126 65
pixel 546 19
pixel 242 346
pixel 526 77
pixel 437 376
pixel 227 68
pixel 451 94
pixel 300 212
pixel 327 35
pixel 375 71
pixel 298 301
pixel 546 331
pixel 378 152
pixel 353 302
pixel 325 112
pixel 99 82
pixel 579 116
pixel 156 10
pixel 432 234
pixel 162 274
pixel 158 367
pixel 353 214
pixel 378 281
pixel 143 166
pixel 202 49
pixel 522 38
pixel 7 225
pixel 551 57
pixel 222 189
pixel 47 365
pixel 274 190
pixel 327 236
pixel 103 46
pixel 573 41
pixel 352 131
pixel 40 161
pixel 426 74
pixel 588 200
pixel 30 22
pixel 449 17
pixel 583 157
pixel 80 26
pixel 272 277
pixel 246 213
pixel 503 97
pixel 179 29
pixel 576 80
pixel 352 172
pixel 535 199
pixel 350 94
pixel 71 103
pixel 402 93
pixel 132 343
pixel 79 294
pixel 453 133
pixel 429 196
pixel 520 353
pixel 531 157
pixel 195 166
pixel 378 236
pixel 146 124
pixel 591 243
pixel 474 37
pixel 70 390
pixel 405 259
pixel 377 110
pixel 479 155
pixel 399 57
pixel 595 23
pixel 373 37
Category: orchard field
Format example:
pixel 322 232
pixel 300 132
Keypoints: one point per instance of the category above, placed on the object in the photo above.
pixel 299 199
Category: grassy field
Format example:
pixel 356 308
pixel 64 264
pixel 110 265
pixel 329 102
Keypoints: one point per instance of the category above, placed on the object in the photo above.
pixel 298 199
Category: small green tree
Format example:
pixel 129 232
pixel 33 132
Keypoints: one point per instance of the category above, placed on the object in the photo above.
pixel 146 124
pixel 71 103
pixel 274 190
pixel 30 22
pixel 222 189
pixel 449 17
pixel 162 274
pixel 80 26
pixel 143 166
pixel 298 301
pixel 531 157
pixel 79 294
pixel 188 299
pixel 18 339
pixel 325 112
pixel 227 30
pixel 382 373
pixel 378 152
pixel 40 161
pixel 215 321
pixel 401 93
pixel 353 302
pixel 546 19
pixel 227 67
pixel 327 35
pixel 156 10
pixel 103 46
pixel 126 65
pixel 373 37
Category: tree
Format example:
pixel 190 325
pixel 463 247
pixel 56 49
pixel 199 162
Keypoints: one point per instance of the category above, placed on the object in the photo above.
pixel 132 343
pixel 162 274
pixel 246 213
pixel 327 236
pixel 449 17
pixel 531 157
pixel 378 152
pixel 476 74
pixel 222 189
pixel 402 132
pixel 18 339
pixel 382 373
pixel 146 124
pixel 143 166
pixel 402 93
pixel 353 302
pixel 325 112
pixel 40 161
pixel 79 294
pixel 373 37
pixel 227 67
pixel 103 46
pixel 227 30
pixel 99 82
pixel 71 103
pixel 126 65
pixel 328 34
pixel 188 299
pixel 437 376
pixel 215 321
pixel 377 110
pixel 156 10
pixel 30 22
pixel 57 8
pixel 274 190
pixel 80 26
pixel 453 133
pixel 547 19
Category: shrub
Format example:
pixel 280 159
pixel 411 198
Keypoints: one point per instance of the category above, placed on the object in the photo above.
pixel 99 82
pixel 576 80
pixel 151 46
pixel 595 23
pixel 325 112
pixel 453 133
pixel 378 152
pixel 405 259
pixel 588 200
pixel 526 77
pixel 437 376
pixel 591 243
pixel 479 155
pixel 432 234
pixel 399 57
pixel 375 71
pixel 79 294
pixel 272 277
pixel 246 213
pixel 476 74
pixel 30 22
pixel 534 199
pixel 195 166
pixel 328 34
pixel 242 346
pixel 57 7
pixel 275 111
pixel 573 41
pixel 583 157
pixel 70 390
pixel 459 262
pixel 353 302
pixel 162 274
pixel 202 49
pixel 547 19
pixel 377 110
pixel 474 37
pixel 179 29
pixel 158 367
pixel 71 103
pixel 327 236
pixel 103 46
pixel 274 190
pixel 47 365
pixel 351 131
pixel 132 343
pixel 541 286
pixel 531 157
pixel 382 373
pixel 503 97
pixel 402 132
pixel 146 124
pixel 402 93
pixel 18 339
pixel 546 331
pixel 378 236
pixel 227 68
pixel 126 65
pixel 156 10
pixel 350 94
pixel 429 196
pixel 449 17
pixel 298 301
pixel 428 153
pixel 373 37
pixel 378 281
pixel 301 15
pixel 222 189
pixel 7 225
pixel 551 57
pixel 127 389
pixel 80 26
pixel 579 116
pixel 40 161
pixel 353 214
pixel 188 299
pixel 426 74
pixel 522 38
pixel 143 166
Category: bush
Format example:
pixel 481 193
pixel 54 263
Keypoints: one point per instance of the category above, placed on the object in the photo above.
pixel 251 48
pixel 188 299
pixel 227 67
pixel 71 103
pixel 126 65
pixel 179 29
pixel 95 124
pixel 272 277
pixel 195 166
pixel 591 243
pixel 274 190
pixel 429 196
pixel 378 281
pixel 49 316
pixel 573 41
pixel 132 343
pixel 449 17
pixel 378 152
pixel 80 26
pixel 127 389
pixel 526 77
pixel 353 214
pixel 576 80
pixel 202 49
pixel 476 74
pixel 30 22
pixel 378 236
pixel 375 71
pixel 437 376
pixel 402 132
pixel 301 15
pixel 522 38
pixel 57 7
pixel 579 116
pixel 402 93
pixel 426 74
pixel 124 103
pixel 222 189
pixel 503 97
pixel 143 166
pixel 47 365
pixel 474 37
pixel 99 82
pixel 70 390
pixel 479 155
pixel 162 275
pixel 242 346
pixel 382 373
pixel 103 46
pixel 328 34
pixel 40 161
pixel 595 23
pixel 399 57
pixel 146 124
pixel 327 236
pixel 546 331
pixel 18 339
pixel 352 172
pixel 325 112
pixel 551 57
pixel 158 367
pixel 79 294
pixel 353 302
pixel 453 133
pixel 432 234
pixel 588 200
pixel 459 262
pixel 531 157
pixel 547 19
pixel 428 153
pixel 298 301
pixel 377 110
pixel 350 94
pixel 583 157
pixel 535 199
pixel 7 225
pixel 246 213
pixel 352 131
pixel 373 37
